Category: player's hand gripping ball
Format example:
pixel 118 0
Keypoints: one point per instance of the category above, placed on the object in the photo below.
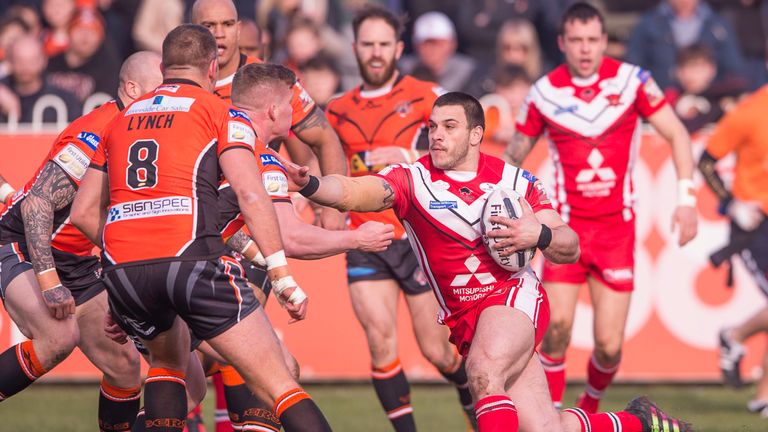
pixel 504 202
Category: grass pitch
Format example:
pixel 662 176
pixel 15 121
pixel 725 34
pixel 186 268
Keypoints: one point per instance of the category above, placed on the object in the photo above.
pixel 355 408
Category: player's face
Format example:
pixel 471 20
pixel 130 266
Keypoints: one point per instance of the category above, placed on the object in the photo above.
pixel 377 51
pixel 450 137
pixel 583 43
pixel 221 20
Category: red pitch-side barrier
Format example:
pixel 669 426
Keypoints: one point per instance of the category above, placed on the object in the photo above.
pixel 679 304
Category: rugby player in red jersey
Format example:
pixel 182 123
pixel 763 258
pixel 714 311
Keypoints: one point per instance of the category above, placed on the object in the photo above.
pixel 495 318
pixel 590 108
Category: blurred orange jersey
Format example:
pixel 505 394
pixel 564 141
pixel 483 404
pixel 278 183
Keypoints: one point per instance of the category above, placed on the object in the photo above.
pixel 72 152
pixel 162 159
pixel 301 103
pixel 365 120
pixel 743 132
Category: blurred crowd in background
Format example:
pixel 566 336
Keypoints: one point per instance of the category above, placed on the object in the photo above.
pixel 705 54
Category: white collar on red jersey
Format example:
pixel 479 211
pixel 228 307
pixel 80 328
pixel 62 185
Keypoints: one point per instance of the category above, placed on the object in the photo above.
pixel 461 176
pixel 585 82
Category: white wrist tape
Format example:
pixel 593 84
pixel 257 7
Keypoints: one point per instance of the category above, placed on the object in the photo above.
pixel 258 259
pixel 297 296
pixel 276 260
pixel 282 284
pixel 686 193
pixel 6 190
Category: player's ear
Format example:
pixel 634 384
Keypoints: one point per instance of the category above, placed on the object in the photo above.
pixel 476 135
pixel 272 112
pixel 213 70
pixel 399 49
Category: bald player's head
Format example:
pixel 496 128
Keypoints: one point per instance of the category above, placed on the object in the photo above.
pixel 220 18
pixel 139 74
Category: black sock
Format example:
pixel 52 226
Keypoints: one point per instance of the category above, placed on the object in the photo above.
pixel 118 407
pixel 19 367
pixel 298 412
pixel 246 409
pixel 165 401
pixel 460 380
pixel 394 393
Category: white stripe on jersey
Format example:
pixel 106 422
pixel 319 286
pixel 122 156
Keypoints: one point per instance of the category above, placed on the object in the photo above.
pixel 592 119
pixel 413 239
pixel 561 197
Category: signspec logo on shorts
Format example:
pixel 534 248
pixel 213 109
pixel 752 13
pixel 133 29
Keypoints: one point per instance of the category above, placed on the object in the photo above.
pixel 168 206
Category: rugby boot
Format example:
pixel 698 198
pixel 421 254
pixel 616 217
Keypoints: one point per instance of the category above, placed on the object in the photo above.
pixel 731 354
pixel 653 419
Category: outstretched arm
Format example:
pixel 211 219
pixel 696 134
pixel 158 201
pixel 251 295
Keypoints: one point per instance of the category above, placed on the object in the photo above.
pixel 362 194
pixel 52 191
pixel 671 128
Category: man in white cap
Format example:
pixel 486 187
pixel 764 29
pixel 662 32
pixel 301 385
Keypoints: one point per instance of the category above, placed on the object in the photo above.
pixel 435 58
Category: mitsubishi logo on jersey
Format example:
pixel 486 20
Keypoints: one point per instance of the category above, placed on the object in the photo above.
pixel 473 263
pixel 596 181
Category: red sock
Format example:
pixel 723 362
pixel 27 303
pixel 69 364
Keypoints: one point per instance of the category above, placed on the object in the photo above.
pixel 221 416
pixel 496 413
pixel 598 379
pixel 607 422
pixel 554 369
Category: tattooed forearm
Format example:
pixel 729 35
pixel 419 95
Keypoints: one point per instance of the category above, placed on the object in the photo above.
pixel 238 241
pixel 315 119
pixel 390 195
pixel 52 191
pixel 518 148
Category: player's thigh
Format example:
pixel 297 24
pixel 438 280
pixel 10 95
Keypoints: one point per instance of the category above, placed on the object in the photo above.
pixel 170 349
pixel 431 336
pixel 375 306
pixel 563 298
pixel 530 394
pixel 610 309
pixel 250 339
pixel 120 363
pixel 26 307
pixel 502 345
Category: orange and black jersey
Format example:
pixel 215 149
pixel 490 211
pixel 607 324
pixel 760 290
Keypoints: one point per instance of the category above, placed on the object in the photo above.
pixel 365 120
pixel 72 152
pixel 161 156
pixel 275 183
pixel 302 104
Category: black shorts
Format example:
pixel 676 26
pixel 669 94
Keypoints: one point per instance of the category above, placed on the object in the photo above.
pixel 755 252
pixel 256 275
pixel 210 296
pixel 398 262
pixel 81 275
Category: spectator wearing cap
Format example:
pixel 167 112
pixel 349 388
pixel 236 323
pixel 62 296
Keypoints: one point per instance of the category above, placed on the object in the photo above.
pixel 27 80
pixel 88 65
pixel 676 24
pixel 436 59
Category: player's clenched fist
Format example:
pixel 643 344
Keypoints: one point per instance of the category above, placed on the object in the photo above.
pixel 374 236
pixel 519 234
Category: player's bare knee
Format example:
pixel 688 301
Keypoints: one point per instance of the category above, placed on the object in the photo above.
pixel 54 347
pixel 607 353
pixel 122 367
pixel 442 357
pixel 293 366
pixel 557 338
pixel 484 377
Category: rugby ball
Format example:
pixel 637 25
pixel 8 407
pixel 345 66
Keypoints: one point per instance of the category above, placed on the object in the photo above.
pixel 505 203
